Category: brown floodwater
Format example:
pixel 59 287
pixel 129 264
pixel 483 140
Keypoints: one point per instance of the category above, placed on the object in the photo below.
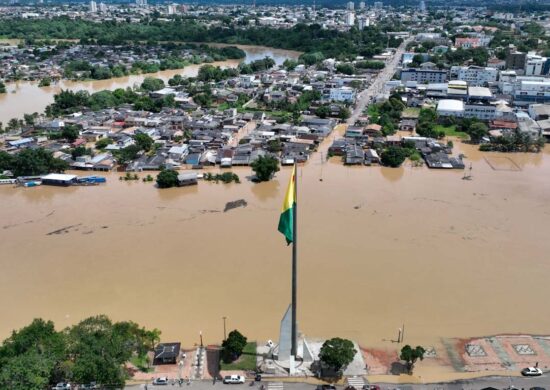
pixel 378 247
pixel 24 97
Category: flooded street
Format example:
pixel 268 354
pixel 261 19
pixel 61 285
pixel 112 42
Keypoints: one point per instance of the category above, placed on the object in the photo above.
pixel 379 247
pixel 25 97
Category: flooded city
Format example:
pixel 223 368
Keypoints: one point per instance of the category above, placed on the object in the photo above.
pixel 26 97
pixel 379 247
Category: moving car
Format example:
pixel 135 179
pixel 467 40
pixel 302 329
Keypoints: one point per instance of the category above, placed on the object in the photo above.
pixel 162 381
pixel 233 379
pixel 531 371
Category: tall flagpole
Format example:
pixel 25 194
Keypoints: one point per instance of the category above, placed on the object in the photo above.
pixel 293 349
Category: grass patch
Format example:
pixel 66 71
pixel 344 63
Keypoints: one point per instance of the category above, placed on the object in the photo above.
pixel 247 361
pixel 141 363
pixel 411 112
pixel 451 131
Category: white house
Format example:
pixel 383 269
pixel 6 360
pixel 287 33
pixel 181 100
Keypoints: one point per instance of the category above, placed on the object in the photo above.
pixel 342 94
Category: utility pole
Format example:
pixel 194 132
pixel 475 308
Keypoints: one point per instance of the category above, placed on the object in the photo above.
pixel 200 334
pixel 224 331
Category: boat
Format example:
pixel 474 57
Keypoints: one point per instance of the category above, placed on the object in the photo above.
pixel 91 180
pixel 32 183
pixel 8 181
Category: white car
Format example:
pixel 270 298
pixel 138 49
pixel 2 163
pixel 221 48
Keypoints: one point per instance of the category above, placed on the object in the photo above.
pixel 233 379
pixel 162 381
pixel 62 386
pixel 531 371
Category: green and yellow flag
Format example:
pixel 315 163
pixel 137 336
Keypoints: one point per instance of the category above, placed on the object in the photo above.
pixel 286 220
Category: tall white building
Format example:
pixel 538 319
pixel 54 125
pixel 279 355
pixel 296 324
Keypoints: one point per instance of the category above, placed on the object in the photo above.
pixel 474 75
pixel 362 5
pixel 141 3
pixel 102 7
pixel 534 65
pixel 422 6
pixel 350 5
pixel 378 4
pixel 350 18
pixel 363 22
pixel 171 9
pixel 93 6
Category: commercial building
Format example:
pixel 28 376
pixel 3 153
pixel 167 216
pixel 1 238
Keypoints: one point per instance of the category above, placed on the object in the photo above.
pixel 350 18
pixel 474 75
pixel 423 76
pixel 343 94
pixel 534 65
pixel 93 6
pixel 515 60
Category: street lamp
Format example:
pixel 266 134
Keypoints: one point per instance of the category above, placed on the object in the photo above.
pixel 200 334
pixel 224 329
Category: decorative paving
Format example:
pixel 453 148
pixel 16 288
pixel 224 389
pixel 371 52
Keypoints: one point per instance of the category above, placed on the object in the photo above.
pixel 475 350
pixel 524 349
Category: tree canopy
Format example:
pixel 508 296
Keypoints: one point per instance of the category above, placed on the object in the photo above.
pixel 337 353
pixel 167 178
pixel 93 350
pixel 410 356
pixel 233 346
pixel 265 167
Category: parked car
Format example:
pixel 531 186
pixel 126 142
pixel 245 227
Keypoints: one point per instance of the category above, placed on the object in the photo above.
pixel 62 386
pixel 326 387
pixel 88 386
pixel 233 379
pixel 371 387
pixel 531 371
pixel 162 381
pixel 258 377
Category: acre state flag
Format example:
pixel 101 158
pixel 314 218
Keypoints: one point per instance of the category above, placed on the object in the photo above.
pixel 286 221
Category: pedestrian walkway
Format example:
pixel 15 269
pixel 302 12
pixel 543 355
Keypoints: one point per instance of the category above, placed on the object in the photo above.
pixel 356 381
pixel 275 386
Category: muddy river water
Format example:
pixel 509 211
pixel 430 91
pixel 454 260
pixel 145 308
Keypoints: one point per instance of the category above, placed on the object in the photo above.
pixel 379 248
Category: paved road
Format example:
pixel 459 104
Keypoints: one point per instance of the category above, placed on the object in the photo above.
pixel 377 86
pixel 473 384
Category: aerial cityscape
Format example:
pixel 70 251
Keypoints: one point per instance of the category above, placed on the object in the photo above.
pixel 320 195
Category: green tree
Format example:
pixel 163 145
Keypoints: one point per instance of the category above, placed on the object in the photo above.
pixel 2 87
pixel 410 356
pixel 344 113
pixel 70 132
pixel 144 141
pixel 337 353
pixel 30 162
pixel 393 156
pixel 45 82
pixel 477 131
pixel 103 143
pixel 265 167
pixel 233 346
pixel 152 84
pixel 322 111
pixel 30 357
pixel 129 153
pixel 167 178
